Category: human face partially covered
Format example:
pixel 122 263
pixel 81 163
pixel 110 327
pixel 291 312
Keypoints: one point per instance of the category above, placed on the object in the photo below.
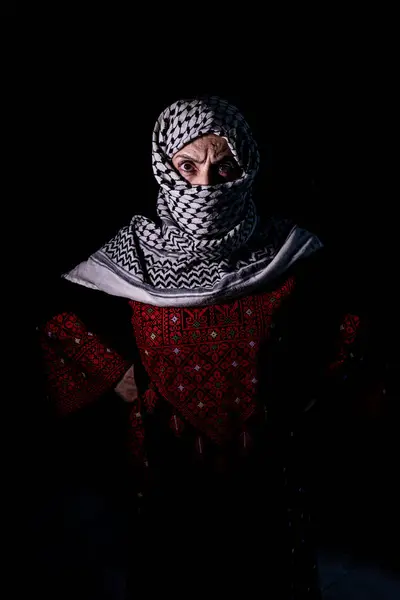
pixel 207 160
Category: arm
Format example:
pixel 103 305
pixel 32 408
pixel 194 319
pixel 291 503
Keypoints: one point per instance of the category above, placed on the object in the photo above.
pixel 79 366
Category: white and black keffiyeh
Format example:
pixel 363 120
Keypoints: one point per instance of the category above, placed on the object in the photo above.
pixel 210 246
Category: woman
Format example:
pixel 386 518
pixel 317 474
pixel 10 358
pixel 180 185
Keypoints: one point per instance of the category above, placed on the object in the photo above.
pixel 229 325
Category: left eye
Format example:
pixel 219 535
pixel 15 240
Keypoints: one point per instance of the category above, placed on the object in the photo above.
pixel 226 168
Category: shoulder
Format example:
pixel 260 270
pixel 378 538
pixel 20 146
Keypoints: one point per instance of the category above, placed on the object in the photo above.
pixel 97 309
pixel 108 317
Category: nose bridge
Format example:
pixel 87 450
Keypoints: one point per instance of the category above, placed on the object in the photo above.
pixel 205 173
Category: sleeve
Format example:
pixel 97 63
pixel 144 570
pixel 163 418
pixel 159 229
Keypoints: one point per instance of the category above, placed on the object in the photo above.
pixel 79 366
pixel 356 379
pixel 337 362
pixel 349 343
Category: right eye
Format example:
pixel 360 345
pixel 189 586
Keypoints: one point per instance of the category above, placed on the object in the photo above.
pixel 187 167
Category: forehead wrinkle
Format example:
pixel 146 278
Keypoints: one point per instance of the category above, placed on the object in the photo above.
pixel 199 148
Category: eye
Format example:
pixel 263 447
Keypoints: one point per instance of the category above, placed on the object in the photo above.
pixel 226 168
pixel 187 167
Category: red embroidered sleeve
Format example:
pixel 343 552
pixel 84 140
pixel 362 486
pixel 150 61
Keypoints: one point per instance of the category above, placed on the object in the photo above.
pixel 348 334
pixel 358 361
pixel 79 366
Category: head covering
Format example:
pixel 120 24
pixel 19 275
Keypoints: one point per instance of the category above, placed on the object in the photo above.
pixel 210 246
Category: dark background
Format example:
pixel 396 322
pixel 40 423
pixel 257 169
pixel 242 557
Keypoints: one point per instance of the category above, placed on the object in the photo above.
pixel 325 139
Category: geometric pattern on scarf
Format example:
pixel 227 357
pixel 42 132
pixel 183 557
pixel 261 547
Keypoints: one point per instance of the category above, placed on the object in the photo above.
pixel 209 235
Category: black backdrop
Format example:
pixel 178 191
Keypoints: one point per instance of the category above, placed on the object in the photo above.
pixel 324 159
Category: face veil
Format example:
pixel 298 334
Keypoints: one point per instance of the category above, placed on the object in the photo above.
pixel 203 211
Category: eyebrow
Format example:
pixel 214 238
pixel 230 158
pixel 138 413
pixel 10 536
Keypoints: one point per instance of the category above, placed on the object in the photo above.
pixel 227 154
pixel 188 157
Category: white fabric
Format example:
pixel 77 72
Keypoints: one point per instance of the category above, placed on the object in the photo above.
pixel 298 244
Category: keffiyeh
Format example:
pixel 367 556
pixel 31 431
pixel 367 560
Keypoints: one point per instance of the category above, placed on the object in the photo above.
pixel 210 245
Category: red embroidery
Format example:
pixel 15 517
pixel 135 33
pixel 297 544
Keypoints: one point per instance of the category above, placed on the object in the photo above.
pixel 348 333
pixel 136 435
pixel 349 328
pixel 150 399
pixel 80 368
pixel 203 361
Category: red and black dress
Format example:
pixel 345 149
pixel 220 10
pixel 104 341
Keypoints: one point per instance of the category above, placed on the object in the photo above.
pixel 218 441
